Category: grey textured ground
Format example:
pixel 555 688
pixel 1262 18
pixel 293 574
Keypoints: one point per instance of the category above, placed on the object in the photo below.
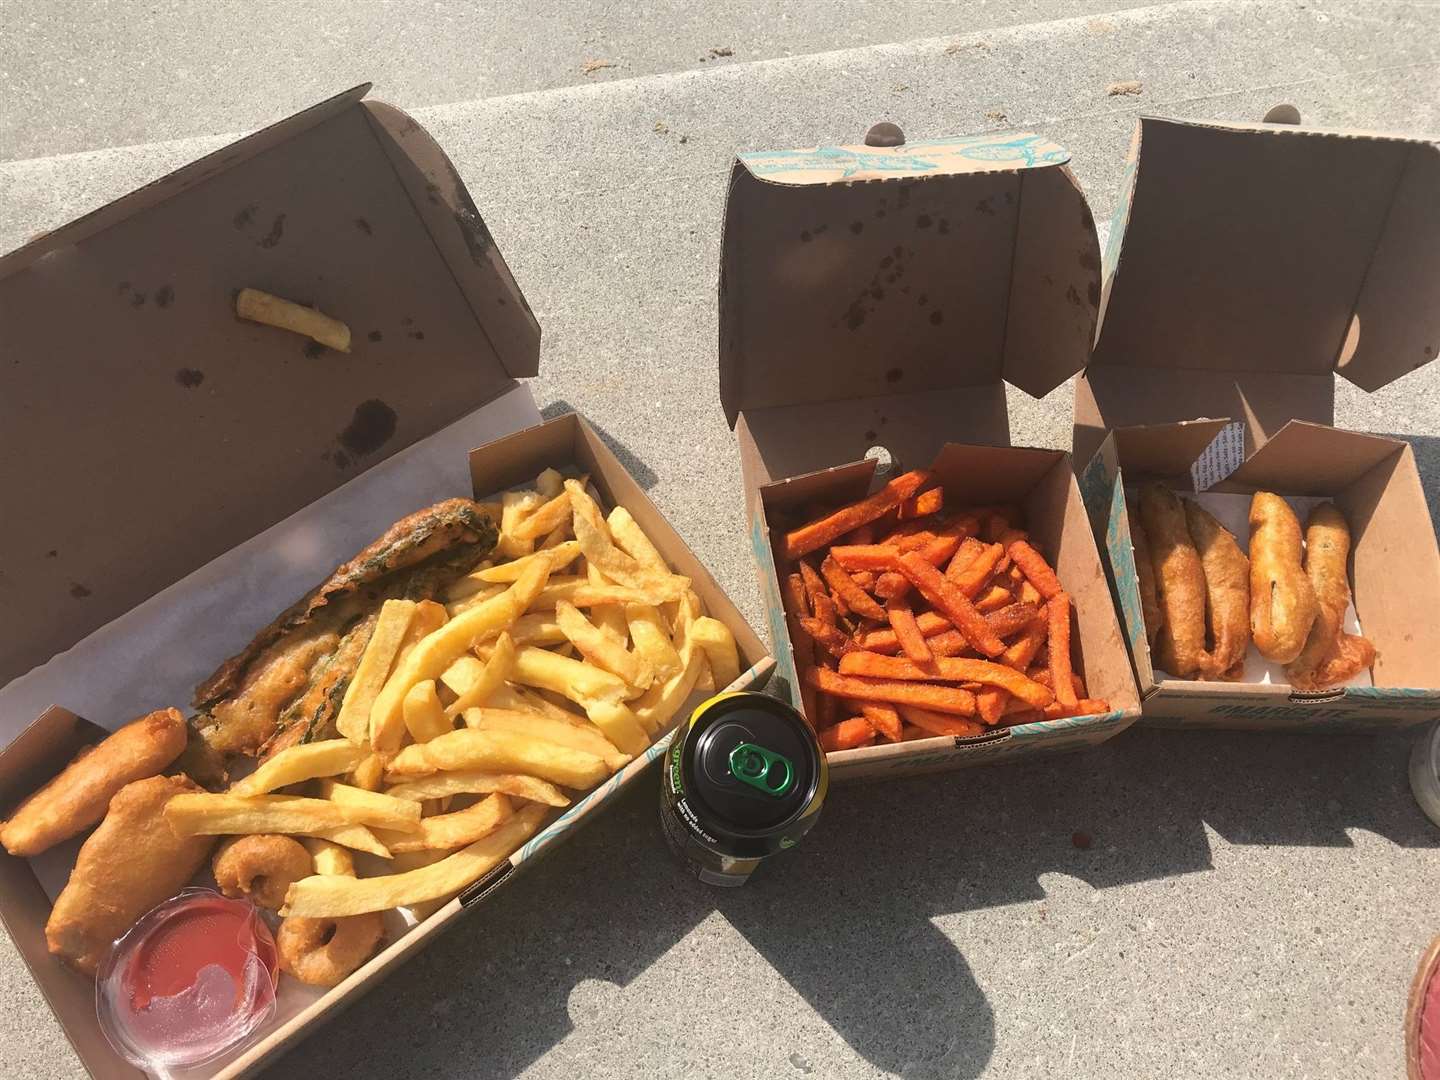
pixel 1251 906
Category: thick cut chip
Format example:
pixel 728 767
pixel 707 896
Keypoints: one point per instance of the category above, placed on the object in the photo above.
pixel 715 638
pixel 631 539
pixel 385 812
pixel 424 715
pixel 497 670
pixel 299 763
pixel 325 897
pixel 500 751
pixel 559 557
pixel 572 732
pixel 580 682
pixel 515 506
pixel 620 725
pixel 550 483
pixel 219 815
pixel 598 647
pixel 355 837
pixel 445 831
pixel 479 782
pixel 545 519
pixel 601 552
pixel 436 652
pixel 329 857
pixel 262 307
pixel 353 720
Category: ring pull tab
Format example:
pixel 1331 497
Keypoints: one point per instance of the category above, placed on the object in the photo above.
pixel 762 769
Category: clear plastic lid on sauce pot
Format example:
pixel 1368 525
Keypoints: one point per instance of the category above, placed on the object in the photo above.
pixel 192 979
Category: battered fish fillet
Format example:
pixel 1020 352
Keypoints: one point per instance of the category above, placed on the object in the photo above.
pixel 287 685
pixel 77 798
pixel 1329 657
pixel 1227 592
pixel 1150 609
pixel 1282 600
pixel 127 866
pixel 1179 580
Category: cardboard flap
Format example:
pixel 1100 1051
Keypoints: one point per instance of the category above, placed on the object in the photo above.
pixel 1164 450
pixel 1301 456
pixel 1397 321
pixel 850 272
pixel 145 429
pixel 41 751
pixel 1248 248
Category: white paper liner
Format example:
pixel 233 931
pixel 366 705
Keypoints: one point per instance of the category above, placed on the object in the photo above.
pixel 1233 511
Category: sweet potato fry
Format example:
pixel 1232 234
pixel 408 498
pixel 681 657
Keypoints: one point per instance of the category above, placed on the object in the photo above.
pixel 949 599
pixel 865 579
pixel 1057 613
pixel 844 588
pixel 827 635
pixel 891 584
pixel 943 699
pixel 1084 707
pixel 848 735
pixel 950 643
pixel 797 601
pixel 855 557
pixel 934 723
pixel 814 586
pixel 968 551
pixel 818 533
pixel 1020 652
pixel 990 704
pixel 1012 619
pixel 999 520
pixel 884 640
pixel 926 503
pixel 907 631
pixel 949 669
pixel 1029 594
pixel 994 598
pixel 1036 570
pixel 883 718
pixel 865 534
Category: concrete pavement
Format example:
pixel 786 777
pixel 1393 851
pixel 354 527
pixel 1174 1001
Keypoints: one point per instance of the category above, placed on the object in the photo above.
pixel 1249 906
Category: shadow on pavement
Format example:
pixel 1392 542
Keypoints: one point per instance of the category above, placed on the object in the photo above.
pixel 643 474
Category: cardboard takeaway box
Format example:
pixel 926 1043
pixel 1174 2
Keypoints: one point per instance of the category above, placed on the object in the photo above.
pixel 877 299
pixel 189 452
pixel 1247 265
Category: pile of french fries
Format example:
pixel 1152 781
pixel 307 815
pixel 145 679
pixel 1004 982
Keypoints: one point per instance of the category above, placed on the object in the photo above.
pixel 550 667
pixel 910 621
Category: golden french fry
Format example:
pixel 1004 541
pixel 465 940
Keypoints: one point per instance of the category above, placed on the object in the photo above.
pixel 631 539
pixel 497 670
pixel 353 720
pixel 621 726
pixel 355 837
pixel 559 557
pixel 537 628
pixel 465 588
pixel 602 553
pixel 581 593
pixel 262 307
pixel 558 536
pixel 204 814
pixel 383 811
pixel 304 761
pixel 652 640
pixel 460 606
pixel 598 647
pixel 479 782
pixel 329 857
pixel 719 644
pixel 461 674
pixel 436 652
pixel 453 830
pixel 545 519
pixel 323 897
pixel 424 715
pixel 514 507
pixel 550 483
pixel 657 706
pixel 574 732
pixel 500 751
pixel 581 503
pixel 580 682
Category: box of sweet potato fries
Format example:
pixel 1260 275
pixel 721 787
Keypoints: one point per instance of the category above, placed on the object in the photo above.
pixel 1272 571
pixel 262 378
pixel 874 301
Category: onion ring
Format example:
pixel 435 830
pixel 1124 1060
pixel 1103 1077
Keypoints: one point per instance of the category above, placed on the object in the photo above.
pixel 261 868
pixel 322 952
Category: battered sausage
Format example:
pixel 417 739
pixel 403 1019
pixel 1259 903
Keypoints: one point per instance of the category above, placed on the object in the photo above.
pixel 1282 600
pixel 1227 592
pixel 76 799
pixel 1150 609
pixel 1179 579
pixel 127 866
pixel 1327 555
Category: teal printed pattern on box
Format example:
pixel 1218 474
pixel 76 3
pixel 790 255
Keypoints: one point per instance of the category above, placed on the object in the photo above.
pixel 1104 497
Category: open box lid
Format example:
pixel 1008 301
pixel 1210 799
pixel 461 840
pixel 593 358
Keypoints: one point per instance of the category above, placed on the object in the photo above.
pixel 1274 248
pixel 859 272
pixel 145 429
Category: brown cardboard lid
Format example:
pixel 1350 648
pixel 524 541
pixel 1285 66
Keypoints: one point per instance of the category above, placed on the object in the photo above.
pixel 1263 247
pixel 852 272
pixel 145 429
pixel 1311 459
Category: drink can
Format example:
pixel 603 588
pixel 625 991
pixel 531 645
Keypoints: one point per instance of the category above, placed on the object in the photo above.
pixel 743 779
